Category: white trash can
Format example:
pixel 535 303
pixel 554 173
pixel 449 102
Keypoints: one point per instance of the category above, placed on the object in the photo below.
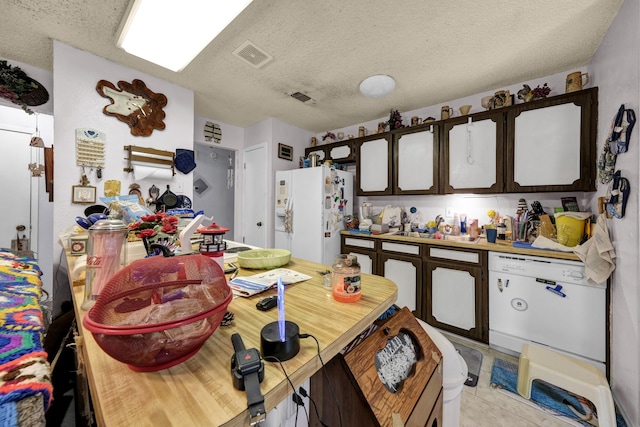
pixel 454 374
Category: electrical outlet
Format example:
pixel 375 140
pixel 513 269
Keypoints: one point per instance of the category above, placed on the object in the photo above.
pixel 449 211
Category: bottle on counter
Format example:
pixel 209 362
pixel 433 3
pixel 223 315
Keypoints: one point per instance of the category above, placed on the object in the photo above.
pixel 345 278
pixel 502 230
pixel 455 229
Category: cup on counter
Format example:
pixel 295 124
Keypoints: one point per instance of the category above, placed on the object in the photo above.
pixel 492 234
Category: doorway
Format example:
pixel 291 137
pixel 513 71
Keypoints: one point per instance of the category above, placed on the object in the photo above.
pixel 255 216
pixel 19 230
pixel 214 184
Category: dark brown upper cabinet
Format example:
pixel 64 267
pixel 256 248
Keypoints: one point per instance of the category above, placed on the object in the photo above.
pixel 416 152
pixel 473 153
pixel 374 165
pixel 551 144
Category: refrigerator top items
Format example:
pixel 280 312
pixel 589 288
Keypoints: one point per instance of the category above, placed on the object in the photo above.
pixel 549 302
pixel 309 209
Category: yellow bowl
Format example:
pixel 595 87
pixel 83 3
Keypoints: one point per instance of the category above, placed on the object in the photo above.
pixel 263 259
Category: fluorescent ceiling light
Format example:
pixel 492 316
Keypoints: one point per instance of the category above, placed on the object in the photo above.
pixel 377 86
pixel 171 33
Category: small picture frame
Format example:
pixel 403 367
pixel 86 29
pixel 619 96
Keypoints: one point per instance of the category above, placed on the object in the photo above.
pixel 83 194
pixel 285 152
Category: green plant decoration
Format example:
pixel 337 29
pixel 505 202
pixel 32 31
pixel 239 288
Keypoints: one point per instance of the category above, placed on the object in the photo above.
pixel 15 83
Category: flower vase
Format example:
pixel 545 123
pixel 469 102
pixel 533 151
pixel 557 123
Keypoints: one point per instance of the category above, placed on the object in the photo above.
pixel 161 240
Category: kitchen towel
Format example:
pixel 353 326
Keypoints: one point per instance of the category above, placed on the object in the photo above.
pixel 597 253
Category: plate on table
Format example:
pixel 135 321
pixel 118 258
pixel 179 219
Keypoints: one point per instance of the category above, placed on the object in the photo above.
pixel 263 259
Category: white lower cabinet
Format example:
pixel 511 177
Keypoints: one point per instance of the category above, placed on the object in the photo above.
pixel 455 295
pixel 364 249
pixel 402 263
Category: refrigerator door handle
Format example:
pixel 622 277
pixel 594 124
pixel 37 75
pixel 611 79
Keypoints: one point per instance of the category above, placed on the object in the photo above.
pixel 288 217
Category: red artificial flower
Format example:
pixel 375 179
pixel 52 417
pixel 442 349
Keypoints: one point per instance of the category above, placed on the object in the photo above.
pixel 149 232
pixel 169 228
pixel 173 220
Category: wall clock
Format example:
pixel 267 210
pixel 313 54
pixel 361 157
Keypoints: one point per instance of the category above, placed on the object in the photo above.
pixel 135 104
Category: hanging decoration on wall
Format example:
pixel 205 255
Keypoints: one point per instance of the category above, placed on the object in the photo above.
pixel 17 87
pixel 90 148
pixel 212 132
pixel 134 104
pixel 36 168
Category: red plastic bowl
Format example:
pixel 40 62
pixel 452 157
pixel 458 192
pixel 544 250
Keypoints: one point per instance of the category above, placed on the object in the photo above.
pixel 179 302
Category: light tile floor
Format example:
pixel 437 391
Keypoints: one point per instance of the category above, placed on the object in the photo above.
pixel 482 406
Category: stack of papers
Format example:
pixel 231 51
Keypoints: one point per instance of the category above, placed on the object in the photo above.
pixel 251 285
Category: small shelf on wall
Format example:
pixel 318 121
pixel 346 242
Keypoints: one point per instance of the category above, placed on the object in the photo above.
pixel 149 157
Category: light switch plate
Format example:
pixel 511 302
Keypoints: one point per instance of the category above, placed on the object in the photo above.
pixel 449 211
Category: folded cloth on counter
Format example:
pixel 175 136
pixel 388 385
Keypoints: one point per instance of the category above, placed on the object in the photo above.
pixel 542 242
pixel 597 253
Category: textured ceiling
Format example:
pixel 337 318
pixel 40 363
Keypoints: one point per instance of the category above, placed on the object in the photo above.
pixel 436 51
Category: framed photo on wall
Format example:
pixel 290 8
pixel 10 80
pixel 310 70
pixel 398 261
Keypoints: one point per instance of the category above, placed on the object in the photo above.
pixel 285 152
pixel 83 194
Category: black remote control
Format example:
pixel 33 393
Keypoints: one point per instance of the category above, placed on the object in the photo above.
pixel 267 303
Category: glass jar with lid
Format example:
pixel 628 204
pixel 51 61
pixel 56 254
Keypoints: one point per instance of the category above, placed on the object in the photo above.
pixel 106 254
pixel 345 278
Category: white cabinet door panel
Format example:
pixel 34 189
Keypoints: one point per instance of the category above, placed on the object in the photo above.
pixel 547 146
pixel 415 161
pixel 454 297
pixel 404 274
pixel 472 155
pixel 374 165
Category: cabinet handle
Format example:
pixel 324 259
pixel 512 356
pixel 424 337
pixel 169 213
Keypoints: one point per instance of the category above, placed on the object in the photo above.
pixel 259 223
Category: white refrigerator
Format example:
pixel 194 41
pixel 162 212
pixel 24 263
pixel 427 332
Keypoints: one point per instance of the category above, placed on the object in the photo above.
pixel 310 206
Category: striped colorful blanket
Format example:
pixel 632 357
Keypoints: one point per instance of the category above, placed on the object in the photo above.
pixel 24 370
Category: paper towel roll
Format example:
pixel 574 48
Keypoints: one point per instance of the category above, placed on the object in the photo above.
pixel 151 172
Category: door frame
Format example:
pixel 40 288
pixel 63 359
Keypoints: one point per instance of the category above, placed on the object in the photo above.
pixel 262 183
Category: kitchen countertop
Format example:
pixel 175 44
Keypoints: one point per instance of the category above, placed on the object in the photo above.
pixel 199 391
pixel 499 246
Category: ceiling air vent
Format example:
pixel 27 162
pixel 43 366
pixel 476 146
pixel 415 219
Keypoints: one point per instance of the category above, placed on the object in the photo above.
pixel 252 54
pixel 300 96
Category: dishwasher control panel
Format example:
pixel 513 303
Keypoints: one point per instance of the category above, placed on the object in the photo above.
pixel 550 269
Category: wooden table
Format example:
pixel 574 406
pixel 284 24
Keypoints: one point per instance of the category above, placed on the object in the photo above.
pixel 199 392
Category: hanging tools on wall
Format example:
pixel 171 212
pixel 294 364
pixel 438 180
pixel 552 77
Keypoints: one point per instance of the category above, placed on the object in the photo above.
pixel 230 173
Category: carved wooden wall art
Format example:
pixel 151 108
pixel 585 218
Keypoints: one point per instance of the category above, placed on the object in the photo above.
pixel 135 104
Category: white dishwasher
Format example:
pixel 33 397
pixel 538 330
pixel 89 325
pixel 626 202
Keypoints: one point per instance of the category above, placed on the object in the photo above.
pixel 546 301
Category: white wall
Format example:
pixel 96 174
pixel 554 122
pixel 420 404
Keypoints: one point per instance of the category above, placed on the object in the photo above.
pixel 79 105
pixel 615 70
